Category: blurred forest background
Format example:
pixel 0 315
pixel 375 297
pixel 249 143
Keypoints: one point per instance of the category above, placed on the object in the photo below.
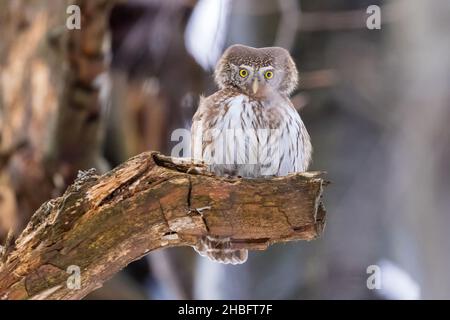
pixel 376 103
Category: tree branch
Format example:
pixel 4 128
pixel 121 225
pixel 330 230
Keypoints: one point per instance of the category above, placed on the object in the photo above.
pixel 102 223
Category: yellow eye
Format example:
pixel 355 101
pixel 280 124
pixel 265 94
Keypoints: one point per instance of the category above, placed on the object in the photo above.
pixel 243 73
pixel 268 74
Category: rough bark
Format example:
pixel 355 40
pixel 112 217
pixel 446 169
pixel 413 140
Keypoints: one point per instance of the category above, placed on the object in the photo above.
pixel 102 223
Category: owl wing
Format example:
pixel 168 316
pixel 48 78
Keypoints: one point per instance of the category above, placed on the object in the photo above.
pixel 299 141
pixel 288 149
pixel 204 130
pixel 196 130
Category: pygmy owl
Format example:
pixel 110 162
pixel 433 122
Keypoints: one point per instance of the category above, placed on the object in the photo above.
pixel 249 128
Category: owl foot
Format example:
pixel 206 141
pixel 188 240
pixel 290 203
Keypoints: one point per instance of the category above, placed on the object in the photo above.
pixel 219 249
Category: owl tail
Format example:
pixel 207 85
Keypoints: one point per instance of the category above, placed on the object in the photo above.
pixel 219 250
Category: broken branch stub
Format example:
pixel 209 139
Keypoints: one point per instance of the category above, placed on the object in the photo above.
pixel 102 223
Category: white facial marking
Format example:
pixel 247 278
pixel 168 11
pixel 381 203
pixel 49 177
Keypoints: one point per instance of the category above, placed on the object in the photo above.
pixel 264 69
pixel 244 66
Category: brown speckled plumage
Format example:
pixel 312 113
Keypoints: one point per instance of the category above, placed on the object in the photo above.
pixel 263 120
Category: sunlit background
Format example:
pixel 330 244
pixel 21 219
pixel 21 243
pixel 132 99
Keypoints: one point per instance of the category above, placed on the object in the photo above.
pixel 376 104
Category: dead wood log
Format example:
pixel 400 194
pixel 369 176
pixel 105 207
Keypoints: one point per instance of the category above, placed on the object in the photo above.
pixel 102 223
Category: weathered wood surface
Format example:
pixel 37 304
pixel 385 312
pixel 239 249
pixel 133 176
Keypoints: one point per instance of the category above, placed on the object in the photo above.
pixel 102 223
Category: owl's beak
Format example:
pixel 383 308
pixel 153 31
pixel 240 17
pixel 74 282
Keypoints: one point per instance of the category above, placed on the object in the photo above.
pixel 255 86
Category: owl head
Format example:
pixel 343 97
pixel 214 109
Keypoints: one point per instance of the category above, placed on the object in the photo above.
pixel 257 71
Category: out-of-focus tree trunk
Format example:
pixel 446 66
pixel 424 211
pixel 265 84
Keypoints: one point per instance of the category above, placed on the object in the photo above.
pixel 49 99
pixel 29 95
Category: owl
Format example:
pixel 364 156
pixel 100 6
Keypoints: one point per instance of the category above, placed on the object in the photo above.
pixel 249 128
